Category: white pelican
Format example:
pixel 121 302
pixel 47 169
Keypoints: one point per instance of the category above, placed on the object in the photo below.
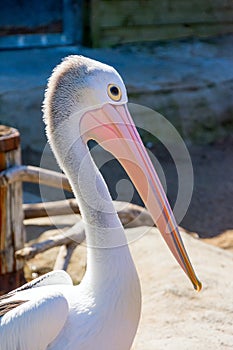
pixel 85 100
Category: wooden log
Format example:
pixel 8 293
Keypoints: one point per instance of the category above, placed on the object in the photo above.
pixel 74 234
pixel 38 210
pixel 131 215
pixel 12 234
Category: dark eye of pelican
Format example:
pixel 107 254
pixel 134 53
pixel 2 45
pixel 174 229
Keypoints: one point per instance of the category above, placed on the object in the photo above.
pixel 114 92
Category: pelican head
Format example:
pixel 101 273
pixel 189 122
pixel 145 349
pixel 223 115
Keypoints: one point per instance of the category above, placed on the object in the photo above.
pixel 80 84
pixel 87 100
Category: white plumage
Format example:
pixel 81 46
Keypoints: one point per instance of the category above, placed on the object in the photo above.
pixel 86 100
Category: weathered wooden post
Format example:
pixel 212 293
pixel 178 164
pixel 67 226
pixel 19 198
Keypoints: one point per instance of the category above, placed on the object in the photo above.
pixel 12 235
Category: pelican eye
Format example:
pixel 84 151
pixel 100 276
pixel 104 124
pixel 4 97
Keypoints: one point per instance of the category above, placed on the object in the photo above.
pixel 114 92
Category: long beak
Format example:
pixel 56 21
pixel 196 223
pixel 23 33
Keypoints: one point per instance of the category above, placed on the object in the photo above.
pixel 113 128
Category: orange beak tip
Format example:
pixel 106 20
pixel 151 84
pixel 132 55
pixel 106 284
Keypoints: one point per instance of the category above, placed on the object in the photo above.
pixel 197 286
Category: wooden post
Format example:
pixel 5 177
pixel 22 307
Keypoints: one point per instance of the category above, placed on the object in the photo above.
pixel 12 234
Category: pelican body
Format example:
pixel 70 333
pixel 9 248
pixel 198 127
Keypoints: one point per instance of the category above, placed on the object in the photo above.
pixel 85 100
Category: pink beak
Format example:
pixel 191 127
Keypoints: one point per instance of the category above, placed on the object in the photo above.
pixel 113 128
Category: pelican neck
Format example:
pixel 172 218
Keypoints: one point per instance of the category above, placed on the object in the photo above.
pixel 102 224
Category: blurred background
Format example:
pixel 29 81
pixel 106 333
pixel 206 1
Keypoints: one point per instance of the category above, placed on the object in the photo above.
pixel 175 57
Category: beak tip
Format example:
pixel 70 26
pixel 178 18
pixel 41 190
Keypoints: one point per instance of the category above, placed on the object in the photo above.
pixel 197 285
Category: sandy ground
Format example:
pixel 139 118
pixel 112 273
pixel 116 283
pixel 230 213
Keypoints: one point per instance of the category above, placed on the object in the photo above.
pixel 174 316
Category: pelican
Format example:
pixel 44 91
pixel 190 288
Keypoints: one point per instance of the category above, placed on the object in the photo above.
pixel 87 100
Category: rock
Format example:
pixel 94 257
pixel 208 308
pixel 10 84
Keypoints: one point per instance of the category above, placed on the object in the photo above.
pixel 224 240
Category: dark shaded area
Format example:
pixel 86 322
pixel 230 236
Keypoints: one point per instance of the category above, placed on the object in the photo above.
pixel 211 208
